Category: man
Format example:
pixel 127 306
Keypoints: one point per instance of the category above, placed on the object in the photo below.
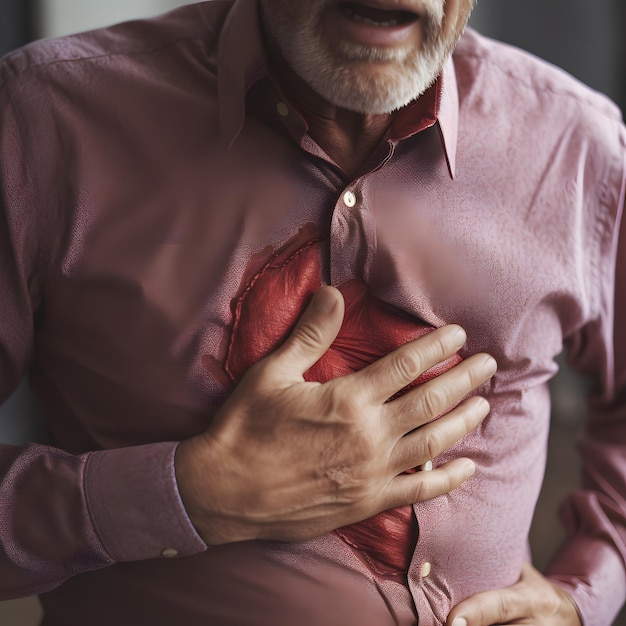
pixel 175 190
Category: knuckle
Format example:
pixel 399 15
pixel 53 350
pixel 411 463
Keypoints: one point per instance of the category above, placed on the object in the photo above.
pixel 433 400
pixel 407 366
pixel 502 606
pixel 434 444
pixel 419 492
pixel 432 484
pixel 350 396
pixel 472 412
pixel 468 420
pixel 441 348
pixel 345 402
pixel 476 373
pixel 308 336
pixel 474 378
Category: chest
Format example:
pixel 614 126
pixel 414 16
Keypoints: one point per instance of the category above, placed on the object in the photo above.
pixel 144 297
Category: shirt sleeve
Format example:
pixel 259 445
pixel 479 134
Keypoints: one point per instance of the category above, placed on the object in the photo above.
pixel 63 514
pixel 591 564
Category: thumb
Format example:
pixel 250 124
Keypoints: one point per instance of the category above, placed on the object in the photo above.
pixel 313 334
pixel 499 606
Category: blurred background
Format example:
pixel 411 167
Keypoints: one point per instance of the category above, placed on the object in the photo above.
pixel 583 37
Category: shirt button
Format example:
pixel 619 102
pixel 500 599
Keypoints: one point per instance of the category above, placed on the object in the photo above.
pixel 425 569
pixel 349 199
pixel 283 109
pixel 169 553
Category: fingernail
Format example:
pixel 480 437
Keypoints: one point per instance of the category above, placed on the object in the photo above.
pixel 470 468
pixel 325 301
pixel 490 366
pixel 460 337
pixel 459 621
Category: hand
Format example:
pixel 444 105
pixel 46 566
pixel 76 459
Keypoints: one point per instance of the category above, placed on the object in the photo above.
pixel 289 460
pixel 533 600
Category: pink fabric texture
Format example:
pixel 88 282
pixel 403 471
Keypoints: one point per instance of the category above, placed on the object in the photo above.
pixel 268 308
pixel 146 177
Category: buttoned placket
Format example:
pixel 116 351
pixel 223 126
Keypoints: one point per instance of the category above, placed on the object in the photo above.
pixel 352 207
pixel 353 245
pixel 352 229
pixel 426 581
pixel 353 241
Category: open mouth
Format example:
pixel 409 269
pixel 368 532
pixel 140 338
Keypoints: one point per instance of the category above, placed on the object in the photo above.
pixel 374 16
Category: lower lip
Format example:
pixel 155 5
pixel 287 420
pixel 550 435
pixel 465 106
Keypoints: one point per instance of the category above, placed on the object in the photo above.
pixel 340 27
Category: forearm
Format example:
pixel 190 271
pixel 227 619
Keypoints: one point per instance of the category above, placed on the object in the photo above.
pixel 591 563
pixel 63 515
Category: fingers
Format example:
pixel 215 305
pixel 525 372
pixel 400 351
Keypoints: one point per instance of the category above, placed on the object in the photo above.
pixel 431 440
pixel 420 486
pixel 428 401
pixel 313 334
pixel 427 443
pixel 533 600
pixel 500 606
pixel 385 377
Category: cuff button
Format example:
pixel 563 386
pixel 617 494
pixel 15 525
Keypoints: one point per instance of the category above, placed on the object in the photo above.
pixel 169 553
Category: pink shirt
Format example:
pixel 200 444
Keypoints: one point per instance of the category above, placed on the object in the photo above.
pixel 140 191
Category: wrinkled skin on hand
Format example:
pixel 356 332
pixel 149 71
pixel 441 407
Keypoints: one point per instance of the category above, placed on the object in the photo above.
pixel 267 311
pixel 290 459
pixel 533 600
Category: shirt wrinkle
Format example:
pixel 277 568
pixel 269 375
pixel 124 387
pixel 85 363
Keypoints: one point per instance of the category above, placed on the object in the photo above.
pixel 593 100
pixel 165 230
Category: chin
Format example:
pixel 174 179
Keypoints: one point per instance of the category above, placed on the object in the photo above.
pixel 368 80
pixel 374 95
pixel 373 88
pixel 360 78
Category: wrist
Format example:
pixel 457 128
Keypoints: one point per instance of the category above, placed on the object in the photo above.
pixel 568 611
pixel 207 494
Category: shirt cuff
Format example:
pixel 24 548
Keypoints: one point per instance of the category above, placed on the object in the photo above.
pixel 592 572
pixel 135 505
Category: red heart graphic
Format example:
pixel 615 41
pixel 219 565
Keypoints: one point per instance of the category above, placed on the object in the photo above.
pixel 265 313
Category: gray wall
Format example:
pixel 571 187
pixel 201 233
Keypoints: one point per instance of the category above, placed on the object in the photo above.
pixel 14 23
pixel 585 37
pixel 60 17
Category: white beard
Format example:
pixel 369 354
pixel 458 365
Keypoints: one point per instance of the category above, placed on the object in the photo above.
pixel 394 78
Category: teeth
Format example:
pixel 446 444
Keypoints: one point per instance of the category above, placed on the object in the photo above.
pixel 366 20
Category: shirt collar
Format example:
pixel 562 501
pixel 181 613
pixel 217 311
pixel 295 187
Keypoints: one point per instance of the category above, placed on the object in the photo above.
pixel 448 115
pixel 242 62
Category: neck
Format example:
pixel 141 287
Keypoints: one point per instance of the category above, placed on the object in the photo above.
pixel 347 137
